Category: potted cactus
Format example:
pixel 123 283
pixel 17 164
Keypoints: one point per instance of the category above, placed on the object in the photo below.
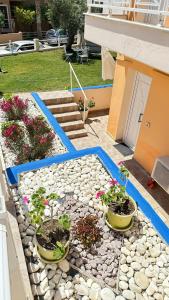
pixel 120 206
pixel 52 233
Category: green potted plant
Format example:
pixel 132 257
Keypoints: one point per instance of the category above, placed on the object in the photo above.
pixel 121 207
pixel 84 112
pixel 52 234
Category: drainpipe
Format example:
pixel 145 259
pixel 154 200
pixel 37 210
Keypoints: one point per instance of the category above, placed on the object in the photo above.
pixel 4 269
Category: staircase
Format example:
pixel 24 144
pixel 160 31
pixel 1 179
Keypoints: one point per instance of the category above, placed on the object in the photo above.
pixel 65 110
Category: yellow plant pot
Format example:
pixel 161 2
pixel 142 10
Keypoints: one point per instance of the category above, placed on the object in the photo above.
pixel 120 221
pixel 49 255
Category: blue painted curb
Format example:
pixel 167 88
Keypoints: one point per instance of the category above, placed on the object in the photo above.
pixel 92 87
pixel 53 122
pixel 110 166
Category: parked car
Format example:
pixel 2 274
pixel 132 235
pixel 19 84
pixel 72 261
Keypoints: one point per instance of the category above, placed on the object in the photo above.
pixel 93 49
pixel 18 46
pixel 56 36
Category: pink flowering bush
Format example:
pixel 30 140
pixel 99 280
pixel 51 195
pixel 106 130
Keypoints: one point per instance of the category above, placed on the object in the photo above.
pixel 14 140
pixel 14 107
pixel 40 136
pixel 30 144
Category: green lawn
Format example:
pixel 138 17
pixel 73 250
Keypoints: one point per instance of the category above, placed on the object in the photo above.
pixel 45 71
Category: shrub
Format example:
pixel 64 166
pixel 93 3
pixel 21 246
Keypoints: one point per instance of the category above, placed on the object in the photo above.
pixel 40 136
pixel 14 139
pixel 14 107
pixel 86 230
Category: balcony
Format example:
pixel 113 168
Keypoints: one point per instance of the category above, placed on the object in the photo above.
pixel 137 30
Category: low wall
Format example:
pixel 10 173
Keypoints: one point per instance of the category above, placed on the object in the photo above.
pixel 101 95
pixel 5 38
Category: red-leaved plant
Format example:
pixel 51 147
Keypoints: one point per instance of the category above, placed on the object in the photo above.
pixel 14 107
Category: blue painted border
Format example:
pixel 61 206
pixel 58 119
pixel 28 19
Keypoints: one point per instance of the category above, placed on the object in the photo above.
pixel 14 172
pixel 53 122
pixel 93 87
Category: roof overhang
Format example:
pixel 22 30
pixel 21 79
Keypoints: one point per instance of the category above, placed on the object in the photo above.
pixel 145 43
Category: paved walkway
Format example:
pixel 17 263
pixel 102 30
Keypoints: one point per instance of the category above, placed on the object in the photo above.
pixel 96 127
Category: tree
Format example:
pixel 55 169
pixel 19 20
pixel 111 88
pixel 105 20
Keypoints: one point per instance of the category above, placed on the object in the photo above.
pixel 24 16
pixel 67 14
pixel 2 20
pixel 38 18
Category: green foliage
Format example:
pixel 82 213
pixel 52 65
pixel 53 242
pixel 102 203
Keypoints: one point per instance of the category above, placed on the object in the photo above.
pixel 39 201
pixel 64 222
pixel 2 19
pixel 67 14
pixel 25 16
pixel 59 250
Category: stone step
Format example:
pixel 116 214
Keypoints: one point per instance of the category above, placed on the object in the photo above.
pixel 56 96
pixel 53 101
pixel 73 125
pixel 76 133
pixel 61 108
pixel 68 116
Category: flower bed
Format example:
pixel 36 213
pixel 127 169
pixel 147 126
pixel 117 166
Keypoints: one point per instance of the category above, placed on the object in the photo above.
pixel 25 134
pixel 140 264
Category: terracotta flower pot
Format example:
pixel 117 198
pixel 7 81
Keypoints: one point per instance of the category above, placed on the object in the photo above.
pixel 120 221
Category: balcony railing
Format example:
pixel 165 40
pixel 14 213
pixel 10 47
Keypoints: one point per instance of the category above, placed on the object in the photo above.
pixel 158 9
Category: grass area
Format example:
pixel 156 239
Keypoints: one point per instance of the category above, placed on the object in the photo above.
pixel 45 71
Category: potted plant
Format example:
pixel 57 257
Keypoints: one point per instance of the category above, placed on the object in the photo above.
pixel 121 207
pixel 52 234
pixel 84 112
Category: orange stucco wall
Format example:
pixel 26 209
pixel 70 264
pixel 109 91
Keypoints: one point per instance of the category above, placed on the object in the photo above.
pixel 118 90
pixel 153 140
pixel 102 97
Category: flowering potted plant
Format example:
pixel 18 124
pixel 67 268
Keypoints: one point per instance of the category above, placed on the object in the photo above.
pixel 52 234
pixel 84 110
pixel 121 207
pixel 14 107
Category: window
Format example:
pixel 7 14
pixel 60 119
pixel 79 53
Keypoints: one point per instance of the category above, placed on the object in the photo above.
pixel 4 10
pixel 26 47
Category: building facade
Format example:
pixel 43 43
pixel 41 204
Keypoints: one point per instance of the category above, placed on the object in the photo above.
pixel 139 110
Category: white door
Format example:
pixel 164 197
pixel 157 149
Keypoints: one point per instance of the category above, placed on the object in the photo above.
pixel 139 98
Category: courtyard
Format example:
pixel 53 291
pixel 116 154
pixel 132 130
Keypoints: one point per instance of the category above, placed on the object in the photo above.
pixel 130 264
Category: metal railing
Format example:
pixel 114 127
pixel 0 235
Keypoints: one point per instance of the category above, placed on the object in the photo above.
pixel 150 7
pixel 85 99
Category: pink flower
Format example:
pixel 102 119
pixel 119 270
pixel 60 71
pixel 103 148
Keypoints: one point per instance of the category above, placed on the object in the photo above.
pixel 6 106
pixel 8 132
pixel 25 200
pixel 121 163
pixel 99 194
pixel 43 140
pixel 46 202
pixel 113 182
pixel 27 121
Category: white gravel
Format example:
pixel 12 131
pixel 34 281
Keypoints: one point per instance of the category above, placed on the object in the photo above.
pixel 144 261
